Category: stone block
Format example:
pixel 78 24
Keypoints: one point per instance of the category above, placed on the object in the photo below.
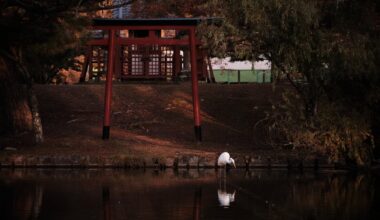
pixel 19 161
pixel 193 161
pixel 169 162
pixel 183 162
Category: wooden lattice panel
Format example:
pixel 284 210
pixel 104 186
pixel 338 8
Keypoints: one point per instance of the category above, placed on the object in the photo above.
pixel 98 61
pixel 167 60
pixel 125 59
pixel 144 61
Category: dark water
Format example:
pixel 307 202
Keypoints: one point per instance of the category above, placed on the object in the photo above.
pixel 149 194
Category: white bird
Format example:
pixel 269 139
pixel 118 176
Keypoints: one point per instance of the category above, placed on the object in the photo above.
pixel 225 159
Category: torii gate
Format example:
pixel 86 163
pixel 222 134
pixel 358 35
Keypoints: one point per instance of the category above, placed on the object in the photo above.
pixel 114 26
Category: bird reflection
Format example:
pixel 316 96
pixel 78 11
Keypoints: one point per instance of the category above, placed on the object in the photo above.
pixel 225 198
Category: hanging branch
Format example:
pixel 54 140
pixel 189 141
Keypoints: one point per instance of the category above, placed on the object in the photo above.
pixel 79 5
pixel 107 7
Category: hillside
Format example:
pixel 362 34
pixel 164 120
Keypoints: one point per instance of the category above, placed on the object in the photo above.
pixel 150 119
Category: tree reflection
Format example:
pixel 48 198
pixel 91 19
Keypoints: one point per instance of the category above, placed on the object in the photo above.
pixel 20 201
pixel 336 196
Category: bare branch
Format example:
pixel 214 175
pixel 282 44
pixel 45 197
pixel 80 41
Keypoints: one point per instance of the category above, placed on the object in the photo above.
pixel 107 7
pixel 294 85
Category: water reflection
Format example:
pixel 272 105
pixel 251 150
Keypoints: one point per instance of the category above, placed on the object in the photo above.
pixel 197 204
pixel 225 198
pixel 348 198
pixel 120 194
pixel 106 203
pixel 20 200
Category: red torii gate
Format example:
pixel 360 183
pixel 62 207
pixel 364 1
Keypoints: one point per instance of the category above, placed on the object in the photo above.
pixel 114 26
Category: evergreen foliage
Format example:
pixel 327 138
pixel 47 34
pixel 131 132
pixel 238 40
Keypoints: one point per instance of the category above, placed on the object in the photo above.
pixel 37 38
pixel 44 33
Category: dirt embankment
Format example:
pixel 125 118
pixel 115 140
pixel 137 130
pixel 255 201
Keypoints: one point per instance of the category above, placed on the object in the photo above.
pixel 151 119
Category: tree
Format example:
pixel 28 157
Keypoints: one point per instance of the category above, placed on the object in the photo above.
pixel 330 62
pixel 167 8
pixel 38 37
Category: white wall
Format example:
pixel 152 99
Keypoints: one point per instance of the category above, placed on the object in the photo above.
pixel 225 63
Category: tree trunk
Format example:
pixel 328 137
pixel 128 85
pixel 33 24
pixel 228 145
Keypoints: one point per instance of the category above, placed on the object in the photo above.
pixel 33 103
pixel 19 103
pixel 376 131
pixel 36 119
pixel 15 112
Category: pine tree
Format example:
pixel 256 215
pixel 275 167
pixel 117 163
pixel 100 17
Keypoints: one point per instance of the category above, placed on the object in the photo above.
pixel 37 38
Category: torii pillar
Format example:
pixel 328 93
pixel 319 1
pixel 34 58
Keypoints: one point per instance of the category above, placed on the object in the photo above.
pixel 194 82
pixel 108 87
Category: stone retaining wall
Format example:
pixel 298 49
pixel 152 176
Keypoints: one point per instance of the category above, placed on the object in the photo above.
pixel 187 162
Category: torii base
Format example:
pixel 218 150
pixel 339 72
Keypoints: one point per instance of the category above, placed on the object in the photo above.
pixel 106 132
pixel 198 133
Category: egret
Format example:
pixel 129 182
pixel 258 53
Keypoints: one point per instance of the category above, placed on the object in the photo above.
pixel 225 159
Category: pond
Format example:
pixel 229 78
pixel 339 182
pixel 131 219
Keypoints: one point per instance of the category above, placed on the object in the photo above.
pixel 187 194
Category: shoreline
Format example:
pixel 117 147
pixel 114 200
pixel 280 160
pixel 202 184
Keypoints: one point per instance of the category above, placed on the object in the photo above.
pixel 180 162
